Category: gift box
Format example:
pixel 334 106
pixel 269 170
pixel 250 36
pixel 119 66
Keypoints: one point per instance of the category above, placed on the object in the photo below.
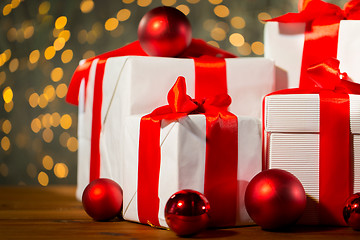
pixel 321 30
pixel 314 134
pixel 136 85
pixel 183 166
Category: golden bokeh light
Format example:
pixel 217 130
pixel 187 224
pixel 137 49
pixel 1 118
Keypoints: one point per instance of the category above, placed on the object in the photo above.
pixel 44 7
pixel 4 170
pixel 7 9
pixel 72 144
pixel 8 95
pixel 11 34
pixel 47 162
pixel 193 1
pixel 67 56
pixel 86 6
pixel 28 32
pixel 61 170
pixel 214 44
pixel 183 8
pixel 15 3
pixel 57 74
pixel 245 49
pixel 236 39
pixel 209 24
pixel 48 135
pixel 144 3
pixel 55 119
pixel 221 11
pixel 60 22
pixel 215 1
pixel 59 43
pixel 111 24
pixel 61 90
pixel 65 34
pixel 2 77
pixel 5 143
pixel 257 48
pixel 14 65
pixel 88 54
pixel 123 15
pixel 82 36
pixel 36 125
pixel 34 56
pixel 43 179
pixel 218 34
pixel 127 1
pixel 263 16
pixel 63 139
pixel 65 121
pixel 46 120
pixel 6 126
pixel 238 22
pixel 34 100
pixel 8 106
pixel 49 92
pixel 43 101
pixel 49 52
pixel 168 2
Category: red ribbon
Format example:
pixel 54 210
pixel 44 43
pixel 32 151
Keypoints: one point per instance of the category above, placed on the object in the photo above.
pixel 321 33
pixel 335 161
pixel 221 154
pixel 197 49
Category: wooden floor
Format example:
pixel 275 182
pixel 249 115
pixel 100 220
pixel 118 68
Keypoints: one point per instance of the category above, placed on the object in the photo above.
pixel 54 213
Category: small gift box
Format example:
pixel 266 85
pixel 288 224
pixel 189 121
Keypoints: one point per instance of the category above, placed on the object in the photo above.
pixel 171 149
pixel 321 30
pixel 315 134
pixel 110 88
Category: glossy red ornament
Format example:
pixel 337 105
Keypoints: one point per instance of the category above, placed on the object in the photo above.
pixel 351 211
pixel 102 199
pixel 164 32
pixel 275 199
pixel 187 212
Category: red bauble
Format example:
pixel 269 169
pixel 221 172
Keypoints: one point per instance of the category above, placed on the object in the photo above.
pixel 102 199
pixel 351 211
pixel 164 32
pixel 187 212
pixel 275 199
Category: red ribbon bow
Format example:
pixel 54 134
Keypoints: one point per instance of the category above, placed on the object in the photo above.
pixel 220 180
pixel 181 104
pixel 321 32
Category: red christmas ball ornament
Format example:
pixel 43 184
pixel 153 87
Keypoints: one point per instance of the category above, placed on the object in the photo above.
pixel 164 32
pixel 275 199
pixel 187 212
pixel 351 211
pixel 102 199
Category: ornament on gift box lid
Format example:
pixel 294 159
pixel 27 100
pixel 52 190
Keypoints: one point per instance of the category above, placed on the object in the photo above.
pixel 102 199
pixel 275 199
pixel 187 212
pixel 351 211
pixel 164 32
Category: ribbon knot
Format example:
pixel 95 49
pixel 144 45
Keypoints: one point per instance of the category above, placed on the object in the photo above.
pixel 327 76
pixel 180 104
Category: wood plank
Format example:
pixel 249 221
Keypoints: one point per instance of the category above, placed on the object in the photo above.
pixel 54 213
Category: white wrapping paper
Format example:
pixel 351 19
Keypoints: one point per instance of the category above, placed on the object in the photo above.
pixel 138 85
pixel 183 146
pixel 284 43
pixel 292 142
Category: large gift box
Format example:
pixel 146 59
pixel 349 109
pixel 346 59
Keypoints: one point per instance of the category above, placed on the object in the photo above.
pixel 118 87
pixel 215 157
pixel 315 134
pixel 321 30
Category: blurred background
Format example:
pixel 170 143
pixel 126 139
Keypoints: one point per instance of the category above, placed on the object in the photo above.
pixel 41 44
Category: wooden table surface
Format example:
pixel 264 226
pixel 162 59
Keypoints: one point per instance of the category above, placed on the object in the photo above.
pixel 54 213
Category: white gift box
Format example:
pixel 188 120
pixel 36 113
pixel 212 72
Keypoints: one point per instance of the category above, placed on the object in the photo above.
pixel 291 124
pixel 138 85
pixel 183 147
pixel 284 43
